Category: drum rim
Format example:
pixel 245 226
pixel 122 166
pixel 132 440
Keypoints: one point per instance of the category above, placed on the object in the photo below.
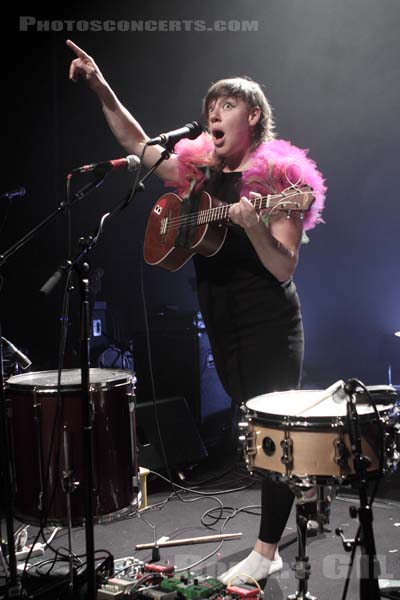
pixel 123 377
pixel 327 422
pixel 291 421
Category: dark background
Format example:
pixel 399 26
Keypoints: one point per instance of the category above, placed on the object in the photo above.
pixel 331 71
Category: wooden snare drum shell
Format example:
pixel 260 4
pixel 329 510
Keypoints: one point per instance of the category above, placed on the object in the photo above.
pixel 304 434
pixel 314 452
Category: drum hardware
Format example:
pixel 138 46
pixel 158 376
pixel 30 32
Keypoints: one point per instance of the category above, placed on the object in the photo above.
pixel 69 486
pixel 305 511
pixel 40 458
pixel 323 510
pixel 325 496
pixel 287 447
pixel 342 454
pixel 311 517
pixel 136 481
pixel 247 439
pixel 392 448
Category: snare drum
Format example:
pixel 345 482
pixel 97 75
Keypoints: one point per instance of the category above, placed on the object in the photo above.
pixel 37 408
pixel 295 437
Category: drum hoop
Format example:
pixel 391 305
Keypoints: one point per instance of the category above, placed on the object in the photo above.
pixel 328 422
pixel 126 377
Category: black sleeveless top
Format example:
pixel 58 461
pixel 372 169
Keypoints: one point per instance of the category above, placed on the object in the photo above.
pixel 237 254
pixel 252 319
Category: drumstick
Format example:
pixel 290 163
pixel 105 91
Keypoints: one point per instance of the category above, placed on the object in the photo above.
pixel 205 539
pixel 326 394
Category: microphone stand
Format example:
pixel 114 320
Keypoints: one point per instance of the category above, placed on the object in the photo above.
pixel 369 585
pixel 84 191
pixel 87 244
pixel 6 479
pixel 13 588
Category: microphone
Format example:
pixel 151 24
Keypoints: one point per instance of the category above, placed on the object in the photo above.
pixel 336 392
pixel 17 193
pixel 22 360
pixel 130 163
pixel 190 130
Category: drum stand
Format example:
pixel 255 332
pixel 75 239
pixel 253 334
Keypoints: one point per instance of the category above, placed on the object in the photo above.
pixel 69 485
pixel 305 511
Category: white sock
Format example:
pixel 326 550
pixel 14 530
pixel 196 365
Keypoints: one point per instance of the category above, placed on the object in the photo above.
pixel 255 565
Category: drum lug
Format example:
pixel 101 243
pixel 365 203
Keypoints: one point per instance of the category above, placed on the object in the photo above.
pixel 248 440
pixel 341 454
pixel 392 448
pixel 287 456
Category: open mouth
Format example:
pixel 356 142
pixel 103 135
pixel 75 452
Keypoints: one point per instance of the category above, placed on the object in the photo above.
pixel 218 135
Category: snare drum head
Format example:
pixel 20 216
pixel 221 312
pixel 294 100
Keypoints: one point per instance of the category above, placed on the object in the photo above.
pixel 303 403
pixel 70 379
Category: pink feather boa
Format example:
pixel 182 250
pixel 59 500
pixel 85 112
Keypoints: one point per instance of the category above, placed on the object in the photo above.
pixel 275 166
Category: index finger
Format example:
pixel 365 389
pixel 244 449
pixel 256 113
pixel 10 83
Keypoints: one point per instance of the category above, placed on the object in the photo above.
pixel 78 51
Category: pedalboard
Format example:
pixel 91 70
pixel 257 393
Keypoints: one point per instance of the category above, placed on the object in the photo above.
pixel 157 581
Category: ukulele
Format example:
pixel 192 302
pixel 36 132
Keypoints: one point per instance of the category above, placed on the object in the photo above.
pixel 177 229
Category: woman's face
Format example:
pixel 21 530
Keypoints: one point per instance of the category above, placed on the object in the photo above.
pixel 230 121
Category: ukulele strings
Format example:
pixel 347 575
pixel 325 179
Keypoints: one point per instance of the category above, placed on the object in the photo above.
pixel 198 217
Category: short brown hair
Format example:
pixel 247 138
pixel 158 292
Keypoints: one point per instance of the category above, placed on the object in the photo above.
pixel 251 92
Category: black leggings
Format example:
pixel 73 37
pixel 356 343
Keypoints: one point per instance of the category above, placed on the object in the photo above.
pixel 276 504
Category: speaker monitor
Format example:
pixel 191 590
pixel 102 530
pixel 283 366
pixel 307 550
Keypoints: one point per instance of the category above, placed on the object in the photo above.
pixel 182 442
pixel 183 365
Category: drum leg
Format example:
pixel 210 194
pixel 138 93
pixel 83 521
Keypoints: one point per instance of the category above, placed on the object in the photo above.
pixel 302 567
pixel 69 486
pixel 37 417
pixel 134 455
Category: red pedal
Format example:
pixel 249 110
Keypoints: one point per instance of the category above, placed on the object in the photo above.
pixel 243 591
pixel 159 569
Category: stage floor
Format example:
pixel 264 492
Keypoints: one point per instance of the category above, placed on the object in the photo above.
pixel 180 517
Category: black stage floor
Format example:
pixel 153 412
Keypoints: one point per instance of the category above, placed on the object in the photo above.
pixel 180 517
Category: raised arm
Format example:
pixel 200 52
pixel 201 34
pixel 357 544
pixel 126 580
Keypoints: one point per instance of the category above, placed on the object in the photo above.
pixel 128 132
